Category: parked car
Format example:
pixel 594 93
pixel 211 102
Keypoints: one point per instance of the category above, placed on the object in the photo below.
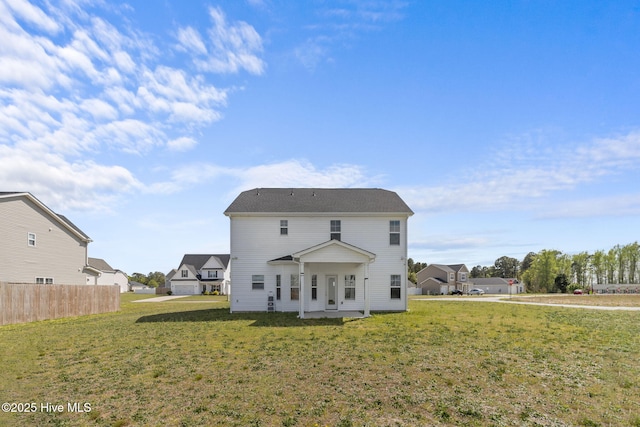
pixel 456 292
pixel 577 292
pixel 476 291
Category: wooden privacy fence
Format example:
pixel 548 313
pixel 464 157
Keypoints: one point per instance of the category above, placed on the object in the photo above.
pixel 23 302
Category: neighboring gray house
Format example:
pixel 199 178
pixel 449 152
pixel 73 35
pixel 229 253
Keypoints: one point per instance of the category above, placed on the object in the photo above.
pixel 498 285
pixel 317 249
pixel 440 279
pixel 39 246
pixel 199 273
pixel 108 275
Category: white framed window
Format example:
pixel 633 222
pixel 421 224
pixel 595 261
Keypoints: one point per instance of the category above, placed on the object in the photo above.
pixel 184 273
pixel 212 274
pixel 278 287
pixel 31 239
pixel 44 280
pixel 295 287
pixel 284 227
pixel 257 282
pixel 463 277
pixel 314 287
pixel 350 287
pixel 396 286
pixel 394 232
pixel 336 229
pixel 452 277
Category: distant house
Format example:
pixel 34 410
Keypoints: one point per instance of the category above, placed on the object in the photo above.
pixel 40 246
pixel 498 285
pixel 108 275
pixel 312 249
pixel 141 288
pixel 440 279
pixel 199 273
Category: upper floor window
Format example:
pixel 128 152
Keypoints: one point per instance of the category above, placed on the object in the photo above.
pixel 44 280
pixel 31 239
pixel 336 229
pixel 284 227
pixel 394 232
pixel 212 274
pixel 184 273
pixel 452 277
pixel 463 277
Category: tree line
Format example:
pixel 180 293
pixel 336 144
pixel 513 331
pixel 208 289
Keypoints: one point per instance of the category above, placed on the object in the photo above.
pixel 551 270
pixel 153 279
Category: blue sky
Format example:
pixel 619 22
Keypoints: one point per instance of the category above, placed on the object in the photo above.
pixel 508 127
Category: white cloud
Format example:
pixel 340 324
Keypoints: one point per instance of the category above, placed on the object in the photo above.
pixel 32 15
pixel 95 88
pixel 190 40
pixel 63 185
pixel 524 172
pixel 290 173
pixel 233 46
pixel 181 144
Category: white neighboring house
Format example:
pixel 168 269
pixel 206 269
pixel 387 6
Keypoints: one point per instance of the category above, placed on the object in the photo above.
pixel 498 285
pixel 318 250
pixel 38 245
pixel 108 275
pixel 199 273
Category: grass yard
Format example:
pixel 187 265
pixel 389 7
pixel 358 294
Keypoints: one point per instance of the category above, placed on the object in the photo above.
pixel 603 300
pixel 441 363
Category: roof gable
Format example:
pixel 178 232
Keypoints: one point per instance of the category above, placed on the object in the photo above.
pixel 335 249
pixel 318 200
pixel 61 219
pixel 199 260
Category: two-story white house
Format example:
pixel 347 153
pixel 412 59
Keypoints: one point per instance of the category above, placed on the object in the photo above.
pixel 314 249
pixel 199 273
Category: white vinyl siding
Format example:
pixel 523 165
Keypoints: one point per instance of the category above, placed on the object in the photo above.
pixel 369 232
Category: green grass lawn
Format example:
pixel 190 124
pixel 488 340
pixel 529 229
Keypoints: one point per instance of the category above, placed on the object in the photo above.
pixel 441 363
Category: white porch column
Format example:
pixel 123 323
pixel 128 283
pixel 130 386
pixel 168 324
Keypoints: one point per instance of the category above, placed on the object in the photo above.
pixel 301 293
pixel 367 291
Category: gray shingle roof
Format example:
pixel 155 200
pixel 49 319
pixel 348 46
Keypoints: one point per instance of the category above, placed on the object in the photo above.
pixel 318 200
pixel 100 264
pixel 61 218
pixel 198 260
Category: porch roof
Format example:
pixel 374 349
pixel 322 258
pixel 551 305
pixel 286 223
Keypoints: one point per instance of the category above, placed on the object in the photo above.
pixel 329 251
